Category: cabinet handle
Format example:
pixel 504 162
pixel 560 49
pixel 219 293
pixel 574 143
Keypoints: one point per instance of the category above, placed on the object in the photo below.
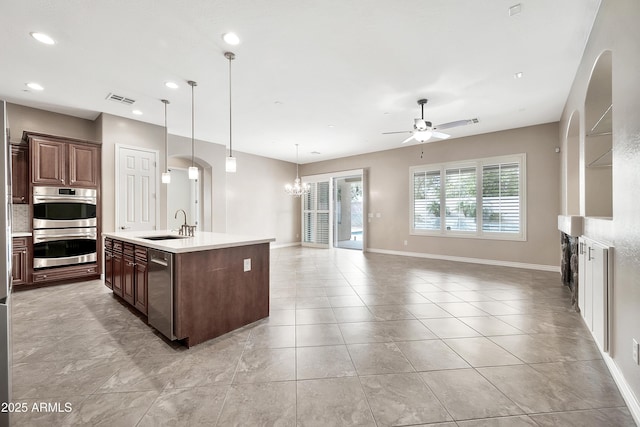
pixel 589 255
pixel 44 276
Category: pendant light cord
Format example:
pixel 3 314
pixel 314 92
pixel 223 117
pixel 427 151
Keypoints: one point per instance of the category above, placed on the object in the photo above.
pixel 230 56
pixel 192 122
pixel 230 140
pixel 297 163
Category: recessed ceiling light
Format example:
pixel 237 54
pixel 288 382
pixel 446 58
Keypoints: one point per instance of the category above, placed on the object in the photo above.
pixel 43 38
pixel 515 9
pixel 34 86
pixel 278 102
pixel 231 38
pixel 171 85
pixel 517 75
pixel 331 126
pixel 137 112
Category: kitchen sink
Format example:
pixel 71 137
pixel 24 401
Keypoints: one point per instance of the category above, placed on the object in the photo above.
pixel 167 237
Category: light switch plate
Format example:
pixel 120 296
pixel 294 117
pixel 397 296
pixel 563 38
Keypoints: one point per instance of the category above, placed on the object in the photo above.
pixel 247 264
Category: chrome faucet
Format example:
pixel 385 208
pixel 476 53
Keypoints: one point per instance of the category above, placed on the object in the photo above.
pixel 185 229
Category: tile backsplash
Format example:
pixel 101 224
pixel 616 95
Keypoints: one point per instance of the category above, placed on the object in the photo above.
pixel 21 220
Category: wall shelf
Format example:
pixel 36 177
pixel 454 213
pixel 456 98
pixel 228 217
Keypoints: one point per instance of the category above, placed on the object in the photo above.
pixel 605 160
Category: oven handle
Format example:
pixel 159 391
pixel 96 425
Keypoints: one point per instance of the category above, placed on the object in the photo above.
pixel 63 199
pixel 42 239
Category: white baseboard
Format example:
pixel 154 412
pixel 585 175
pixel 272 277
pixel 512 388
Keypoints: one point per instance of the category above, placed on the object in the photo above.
pixel 284 245
pixel 627 394
pixel 553 268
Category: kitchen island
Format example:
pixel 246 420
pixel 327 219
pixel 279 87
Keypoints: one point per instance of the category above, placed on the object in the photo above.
pixel 191 288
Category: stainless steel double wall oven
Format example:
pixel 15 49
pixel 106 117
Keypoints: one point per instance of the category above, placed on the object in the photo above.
pixel 64 226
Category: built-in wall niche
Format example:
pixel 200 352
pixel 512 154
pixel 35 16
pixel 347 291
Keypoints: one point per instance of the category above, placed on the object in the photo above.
pixel 598 142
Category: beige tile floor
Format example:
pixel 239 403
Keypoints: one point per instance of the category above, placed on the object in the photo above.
pixel 352 339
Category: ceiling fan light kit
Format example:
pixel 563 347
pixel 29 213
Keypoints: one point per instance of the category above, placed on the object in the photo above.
pixel 424 130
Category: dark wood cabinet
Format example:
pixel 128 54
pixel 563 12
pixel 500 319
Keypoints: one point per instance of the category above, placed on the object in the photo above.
pixel 83 165
pixel 141 281
pixel 20 173
pixel 48 161
pixel 21 257
pixel 108 263
pixel 126 272
pixel 117 271
pixel 66 274
pixel 64 163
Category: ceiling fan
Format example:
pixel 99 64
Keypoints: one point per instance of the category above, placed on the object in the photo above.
pixel 423 130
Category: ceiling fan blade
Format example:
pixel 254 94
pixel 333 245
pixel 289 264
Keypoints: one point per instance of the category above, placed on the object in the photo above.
pixel 402 131
pixel 456 124
pixel 408 139
pixel 440 135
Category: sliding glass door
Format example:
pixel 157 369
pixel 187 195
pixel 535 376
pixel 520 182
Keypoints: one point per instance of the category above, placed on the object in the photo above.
pixel 348 222
pixel 333 210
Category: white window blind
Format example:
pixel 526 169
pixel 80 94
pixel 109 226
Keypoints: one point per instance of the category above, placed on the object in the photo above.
pixel 501 198
pixel 426 196
pixel 460 196
pixel 478 198
pixel 316 214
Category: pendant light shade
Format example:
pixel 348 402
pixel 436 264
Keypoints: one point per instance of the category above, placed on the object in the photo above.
pixel 193 170
pixel 166 176
pixel 298 188
pixel 230 163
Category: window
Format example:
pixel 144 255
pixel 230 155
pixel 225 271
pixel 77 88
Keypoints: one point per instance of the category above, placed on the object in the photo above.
pixel 481 198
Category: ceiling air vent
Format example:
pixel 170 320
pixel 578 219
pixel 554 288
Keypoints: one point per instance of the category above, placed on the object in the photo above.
pixel 121 99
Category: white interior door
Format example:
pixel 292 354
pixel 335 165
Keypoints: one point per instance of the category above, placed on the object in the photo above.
pixel 136 189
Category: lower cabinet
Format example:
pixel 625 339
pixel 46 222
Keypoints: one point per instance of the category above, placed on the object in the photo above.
pixel 20 261
pixel 141 280
pixel 126 272
pixel 593 292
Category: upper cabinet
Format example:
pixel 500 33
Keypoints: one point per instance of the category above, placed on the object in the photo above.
pixel 83 165
pixel 61 162
pixel 20 173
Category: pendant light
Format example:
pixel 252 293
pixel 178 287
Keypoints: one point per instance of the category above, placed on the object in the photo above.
pixel 297 189
pixel 230 162
pixel 193 170
pixel 166 176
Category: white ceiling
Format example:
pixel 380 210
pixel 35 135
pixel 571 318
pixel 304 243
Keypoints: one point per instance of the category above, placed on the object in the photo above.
pixel 302 65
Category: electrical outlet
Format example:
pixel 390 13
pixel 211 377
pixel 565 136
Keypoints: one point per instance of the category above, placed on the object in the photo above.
pixel 405 243
pixel 247 264
pixel 635 352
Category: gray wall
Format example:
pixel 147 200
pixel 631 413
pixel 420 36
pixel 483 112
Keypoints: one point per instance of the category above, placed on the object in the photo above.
pixel 616 28
pixel 388 193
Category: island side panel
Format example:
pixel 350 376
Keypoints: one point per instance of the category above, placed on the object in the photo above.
pixel 214 295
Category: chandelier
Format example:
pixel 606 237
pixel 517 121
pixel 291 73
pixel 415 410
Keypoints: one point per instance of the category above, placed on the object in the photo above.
pixel 298 188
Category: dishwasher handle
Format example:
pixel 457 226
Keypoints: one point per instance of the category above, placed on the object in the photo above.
pixel 159 261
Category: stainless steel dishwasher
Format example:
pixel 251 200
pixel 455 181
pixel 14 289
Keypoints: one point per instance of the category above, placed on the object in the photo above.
pixel 160 311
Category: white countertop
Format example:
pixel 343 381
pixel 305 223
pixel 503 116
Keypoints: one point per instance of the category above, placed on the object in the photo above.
pixel 202 241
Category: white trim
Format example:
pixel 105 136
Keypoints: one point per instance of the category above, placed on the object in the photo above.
pixel 116 181
pixel 541 267
pixel 284 245
pixel 624 388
